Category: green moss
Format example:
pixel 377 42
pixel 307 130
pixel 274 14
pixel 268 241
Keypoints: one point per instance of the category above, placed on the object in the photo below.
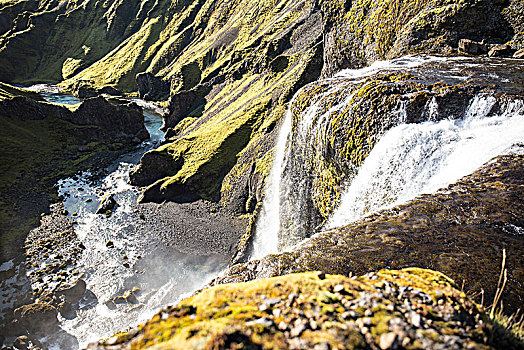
pixel 229 314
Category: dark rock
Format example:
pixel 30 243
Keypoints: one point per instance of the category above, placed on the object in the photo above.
pixel 82 90
pixel 162 164
pixel 109 90
pixel 501 51
pixel 110 244
pixel 110 304
pixel 519 54
pixel 187 103
pixel 472 47
pixel 72 292
pixel 37 317
pixel 117 118
pixel 107 203
pixel 151 87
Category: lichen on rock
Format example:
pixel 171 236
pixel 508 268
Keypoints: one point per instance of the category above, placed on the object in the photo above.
pixel 411 308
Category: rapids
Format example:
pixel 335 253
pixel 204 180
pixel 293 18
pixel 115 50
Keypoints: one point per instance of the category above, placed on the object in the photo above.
pixel 139 258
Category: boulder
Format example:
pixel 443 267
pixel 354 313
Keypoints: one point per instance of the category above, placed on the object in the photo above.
pixel 108 203
pixel 472 47
pixel 501 51
pixel 109 90
pixel 38 317
pixel 72 292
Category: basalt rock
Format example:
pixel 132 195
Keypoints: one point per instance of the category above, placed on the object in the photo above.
pixel 107 203
pixel 360 32
pixel 472 47
pixel 151 87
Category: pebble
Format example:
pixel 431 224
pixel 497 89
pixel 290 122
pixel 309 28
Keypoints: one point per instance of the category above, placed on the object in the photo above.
pixel 339 288
pixel 415 319
pixel 387 340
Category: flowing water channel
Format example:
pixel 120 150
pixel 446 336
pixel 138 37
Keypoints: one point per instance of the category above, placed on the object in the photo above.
pixel 137 259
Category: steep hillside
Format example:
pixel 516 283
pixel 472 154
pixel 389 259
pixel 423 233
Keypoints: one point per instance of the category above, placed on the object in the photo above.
pixel 229 67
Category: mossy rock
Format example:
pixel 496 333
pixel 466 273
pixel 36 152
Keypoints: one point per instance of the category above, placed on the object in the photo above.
pixel 412 308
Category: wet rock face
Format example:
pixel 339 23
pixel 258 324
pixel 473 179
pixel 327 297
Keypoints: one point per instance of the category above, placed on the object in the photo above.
pixel 108 203
pixel 411 308
pixel 336 123
pixel 448 231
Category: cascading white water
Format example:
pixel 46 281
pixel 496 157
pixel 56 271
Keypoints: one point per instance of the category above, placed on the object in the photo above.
pixel 268 224
pixel 277 186
pixel 139 258
pixel 412 159
pixel 408 160
pixel 163 275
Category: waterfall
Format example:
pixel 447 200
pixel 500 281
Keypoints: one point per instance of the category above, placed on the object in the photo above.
pixel 268 225
pixel 409 159
pixel 412 159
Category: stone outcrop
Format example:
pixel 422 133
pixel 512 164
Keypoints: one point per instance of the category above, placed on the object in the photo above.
pixel 151 87
pixel 411 309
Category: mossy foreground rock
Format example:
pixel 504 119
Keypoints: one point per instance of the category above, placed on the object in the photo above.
pixel 411 309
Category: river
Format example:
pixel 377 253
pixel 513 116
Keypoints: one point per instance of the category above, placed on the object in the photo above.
pixel 122 253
